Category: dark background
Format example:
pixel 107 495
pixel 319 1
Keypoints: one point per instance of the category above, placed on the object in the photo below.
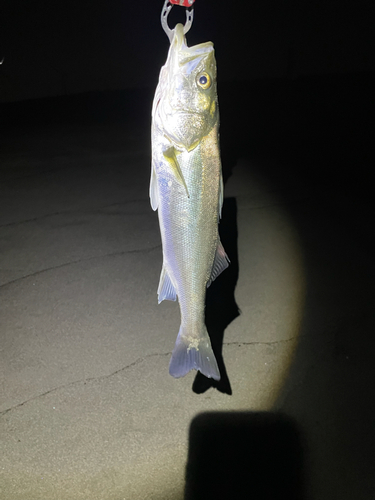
pixel 295 79
pixel 64 48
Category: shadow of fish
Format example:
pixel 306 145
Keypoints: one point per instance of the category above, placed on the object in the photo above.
pixel 187 190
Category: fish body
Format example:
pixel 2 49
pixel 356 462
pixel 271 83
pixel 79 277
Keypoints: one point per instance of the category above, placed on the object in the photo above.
pixel 187 190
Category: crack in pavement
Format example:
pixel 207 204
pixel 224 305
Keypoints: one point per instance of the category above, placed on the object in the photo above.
pixel 239 344
pixel 134 363
pixel 86 380
pixel 89 210
pixel 124 252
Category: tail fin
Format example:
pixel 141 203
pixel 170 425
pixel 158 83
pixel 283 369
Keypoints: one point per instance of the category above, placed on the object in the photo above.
pixel 201 357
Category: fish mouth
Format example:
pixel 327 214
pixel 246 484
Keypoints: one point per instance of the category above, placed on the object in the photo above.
pixel 197 51
pixel 179 43
pixel 188 57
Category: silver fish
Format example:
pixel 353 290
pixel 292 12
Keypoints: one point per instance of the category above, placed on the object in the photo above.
pixel 187 190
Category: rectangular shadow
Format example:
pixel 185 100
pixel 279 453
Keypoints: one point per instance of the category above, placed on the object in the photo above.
pixel 244 455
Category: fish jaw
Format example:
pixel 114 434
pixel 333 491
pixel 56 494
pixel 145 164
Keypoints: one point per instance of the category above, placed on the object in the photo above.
pixel 186 112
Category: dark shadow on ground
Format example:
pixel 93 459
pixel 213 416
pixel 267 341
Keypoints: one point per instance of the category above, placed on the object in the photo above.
pixel 221 307
pixel 239 455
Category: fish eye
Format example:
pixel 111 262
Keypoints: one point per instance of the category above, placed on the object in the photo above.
pixel 204 80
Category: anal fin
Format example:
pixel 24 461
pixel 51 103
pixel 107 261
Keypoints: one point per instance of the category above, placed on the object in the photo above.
pixel 166 290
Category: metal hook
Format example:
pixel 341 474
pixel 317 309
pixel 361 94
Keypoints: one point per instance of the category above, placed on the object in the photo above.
pixel 164 19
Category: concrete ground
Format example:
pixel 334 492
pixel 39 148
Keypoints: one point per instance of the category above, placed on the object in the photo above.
pixel 88 409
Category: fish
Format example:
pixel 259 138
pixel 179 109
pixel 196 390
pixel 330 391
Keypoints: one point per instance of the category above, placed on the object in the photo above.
pixel 186 188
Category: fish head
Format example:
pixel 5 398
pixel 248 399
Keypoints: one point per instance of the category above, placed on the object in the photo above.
pixel 187 104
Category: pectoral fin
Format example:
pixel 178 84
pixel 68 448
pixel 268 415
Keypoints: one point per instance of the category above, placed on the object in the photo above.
pixel 154 193
pixel 171 157
pixel 166 290
pixel 221 262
